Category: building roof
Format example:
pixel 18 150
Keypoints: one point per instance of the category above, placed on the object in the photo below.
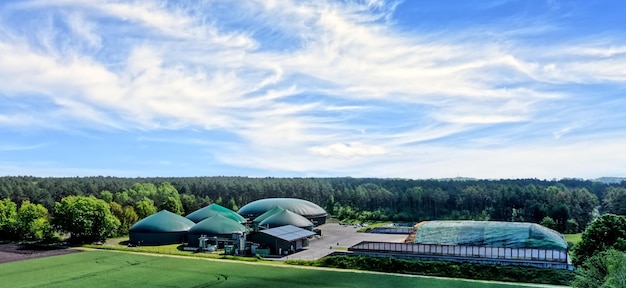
pixel 213 210
pixel 299 206
pixel 490 234
pixel 286 217
pixel 267 214
pixel 217 225
pixel 288 233
pixel 162 222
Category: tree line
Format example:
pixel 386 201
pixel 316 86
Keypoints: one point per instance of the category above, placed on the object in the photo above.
pixel 566 205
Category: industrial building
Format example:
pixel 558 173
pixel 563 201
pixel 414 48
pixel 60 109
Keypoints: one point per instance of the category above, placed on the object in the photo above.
pixel 281 225
pixel 218 227
pixel 311 211
pixel 283 239
pixel 161 228
pixel 488 242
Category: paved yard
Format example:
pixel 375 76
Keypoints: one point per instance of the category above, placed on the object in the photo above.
pixel 336 235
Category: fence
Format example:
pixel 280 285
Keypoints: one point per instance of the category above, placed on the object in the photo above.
pixel 501 255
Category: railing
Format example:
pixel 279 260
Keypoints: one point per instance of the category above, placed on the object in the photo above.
pixel 530 254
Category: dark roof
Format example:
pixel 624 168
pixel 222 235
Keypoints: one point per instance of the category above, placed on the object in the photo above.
pixel 163 221
pixel 217 225
pixel 286 218
pixel 288 233
pixel 213 210
pixel 299 206
pixel 267 214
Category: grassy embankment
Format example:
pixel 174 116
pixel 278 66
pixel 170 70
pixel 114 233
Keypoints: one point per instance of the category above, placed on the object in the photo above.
pixel 574 238
pixel 109 269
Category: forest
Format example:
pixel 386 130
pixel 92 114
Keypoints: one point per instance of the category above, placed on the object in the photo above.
pixel 566 205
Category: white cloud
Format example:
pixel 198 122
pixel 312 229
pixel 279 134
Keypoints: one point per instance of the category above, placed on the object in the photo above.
pixel 348 150
pixel 297 107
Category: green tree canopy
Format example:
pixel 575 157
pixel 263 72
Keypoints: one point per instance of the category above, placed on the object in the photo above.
pixel 126 215
pixel 145 208
pixel 605 269
pixel 548 222
pixel 607 231
pixel 8 218
pixel 615 200
pixel 33 222
pixel 85 218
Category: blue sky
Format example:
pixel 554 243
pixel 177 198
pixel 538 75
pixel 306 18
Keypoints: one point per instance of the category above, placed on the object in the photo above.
pixel 408 89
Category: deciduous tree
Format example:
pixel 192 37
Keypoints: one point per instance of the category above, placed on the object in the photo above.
pixel 606 232
pixel 8 218
pixel 33 222
pixel 85 218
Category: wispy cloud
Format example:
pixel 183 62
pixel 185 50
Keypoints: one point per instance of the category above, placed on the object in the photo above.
pixel 311 87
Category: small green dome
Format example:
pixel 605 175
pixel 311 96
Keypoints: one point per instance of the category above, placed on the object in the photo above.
pixel 267 214
pixel 164 221
pixel 286 217
pixel 213 210
pixel 217 225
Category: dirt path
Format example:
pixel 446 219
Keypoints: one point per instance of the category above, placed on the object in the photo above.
pixel 16 252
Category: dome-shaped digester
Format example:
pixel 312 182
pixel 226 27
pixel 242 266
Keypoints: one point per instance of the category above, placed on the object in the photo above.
pixel 213 210
pixel 286 217
pixel 309 210
pixel 267 214
pixel 160 228
pixel 216 226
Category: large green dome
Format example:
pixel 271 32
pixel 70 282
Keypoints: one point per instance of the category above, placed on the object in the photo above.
pixel 214 210
pixel 162 222
pixel 298 206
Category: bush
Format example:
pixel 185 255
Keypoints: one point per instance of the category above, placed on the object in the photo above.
pixel 446 269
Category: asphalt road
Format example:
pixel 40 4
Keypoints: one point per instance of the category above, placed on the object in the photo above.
pixel 335 236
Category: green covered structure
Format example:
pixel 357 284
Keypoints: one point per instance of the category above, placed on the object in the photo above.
pixel 218 226
pixel 161 228
pixel 489 234
pixel 213 210
pixel 265 215
pixel 311 211
pixel 286 217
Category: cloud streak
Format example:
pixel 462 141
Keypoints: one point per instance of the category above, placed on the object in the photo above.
pixel 311 88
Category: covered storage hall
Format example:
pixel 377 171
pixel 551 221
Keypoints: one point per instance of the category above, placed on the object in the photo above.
pixel 161 228
pixel 285 239
pixel 488 242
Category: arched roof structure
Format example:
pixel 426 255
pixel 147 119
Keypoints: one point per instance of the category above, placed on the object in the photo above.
pixel 298 206
pixel 213 210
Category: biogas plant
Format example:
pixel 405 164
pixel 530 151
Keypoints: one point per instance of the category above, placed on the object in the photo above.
pixel 279 227
pixel 274 226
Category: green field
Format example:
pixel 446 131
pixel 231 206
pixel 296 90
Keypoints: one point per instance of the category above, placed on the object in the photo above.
pixel 119 269
pixel 574 238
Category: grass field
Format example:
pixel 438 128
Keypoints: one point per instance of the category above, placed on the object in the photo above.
pixel 574 238
pixel 119 269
